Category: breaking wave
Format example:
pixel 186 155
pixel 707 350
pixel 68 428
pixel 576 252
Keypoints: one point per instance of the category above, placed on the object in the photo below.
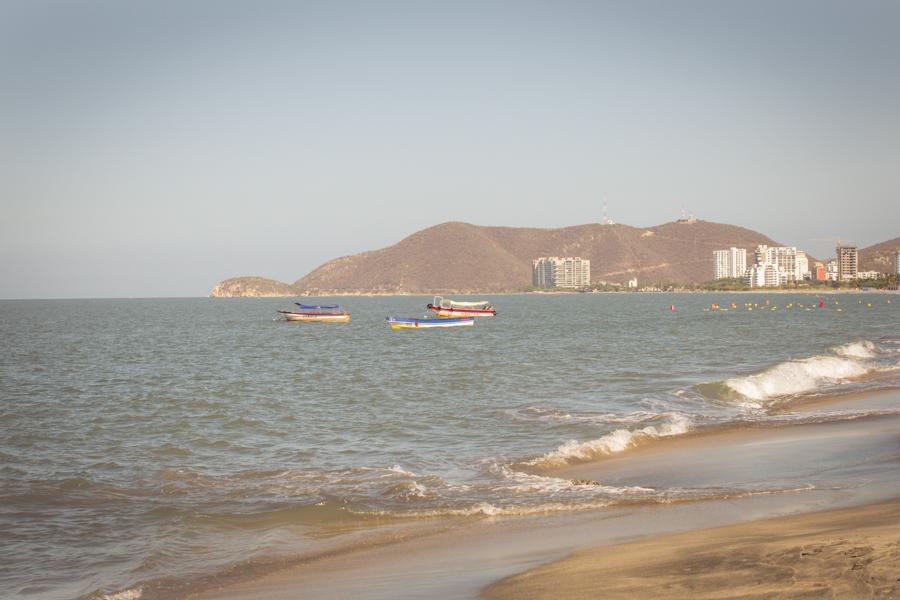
pixel 843 364
pixel 860 349
pixel 611 443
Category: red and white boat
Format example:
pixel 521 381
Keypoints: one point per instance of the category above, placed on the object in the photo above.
pixel 455 308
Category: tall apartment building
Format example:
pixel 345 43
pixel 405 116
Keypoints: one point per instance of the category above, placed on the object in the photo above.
pixel 567 272
pixel 801 266
pixel 765 275
pixel 847 262
pixel 783 257
pixel 897 262
pixel 729 263
pixel 776 265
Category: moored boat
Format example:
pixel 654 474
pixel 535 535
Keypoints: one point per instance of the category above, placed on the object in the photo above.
pixel 455 308
pixel 401 323
pixel 316 312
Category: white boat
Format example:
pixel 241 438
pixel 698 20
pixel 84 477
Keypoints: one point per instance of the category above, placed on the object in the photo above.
pixel 455 308
pixel 401 323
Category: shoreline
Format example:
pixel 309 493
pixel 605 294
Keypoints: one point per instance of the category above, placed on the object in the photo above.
pixel 484 552
pixel 850 552
pixel 866 291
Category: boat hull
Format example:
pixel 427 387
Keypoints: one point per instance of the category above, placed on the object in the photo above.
pixel 316 317
pixel 397 323
pixel 460 312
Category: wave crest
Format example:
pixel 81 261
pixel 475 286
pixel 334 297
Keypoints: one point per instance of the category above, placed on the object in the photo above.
pixel 796 377
pixel 611 443
pixel 860 349
pixel 843 364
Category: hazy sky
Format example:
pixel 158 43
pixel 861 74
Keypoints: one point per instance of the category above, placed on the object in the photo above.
pixel 154 148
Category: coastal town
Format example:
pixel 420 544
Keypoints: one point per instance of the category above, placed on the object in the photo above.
pixel 768 267
pixel 783 265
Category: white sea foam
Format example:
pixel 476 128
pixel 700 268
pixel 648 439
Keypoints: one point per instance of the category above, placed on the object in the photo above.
pixel 796 377
pixel 495 510
pixel 611 443
pixel 490 509
pixel 401 471
pixel 860 349
pixel 530 483
pixel 130 594
pixel 559 416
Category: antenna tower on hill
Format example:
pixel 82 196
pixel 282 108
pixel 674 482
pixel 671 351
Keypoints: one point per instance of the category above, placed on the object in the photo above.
pixel 686 217
pixel 606 220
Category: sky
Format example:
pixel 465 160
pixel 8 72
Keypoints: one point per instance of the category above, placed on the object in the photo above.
pixel 154 148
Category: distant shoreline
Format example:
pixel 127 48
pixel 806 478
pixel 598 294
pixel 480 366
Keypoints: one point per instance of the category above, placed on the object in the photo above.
pixel 575 293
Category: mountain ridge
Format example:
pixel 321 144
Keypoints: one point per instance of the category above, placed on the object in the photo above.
pixel 459 257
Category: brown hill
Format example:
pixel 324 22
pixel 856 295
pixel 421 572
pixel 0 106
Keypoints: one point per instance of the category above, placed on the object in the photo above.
pixel 879 257
pixel 459 257
pixel 251 287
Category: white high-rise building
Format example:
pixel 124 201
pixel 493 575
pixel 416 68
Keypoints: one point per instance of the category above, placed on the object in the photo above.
pixel 897 262
pixel 567 272
pixel 801 266
pixel 777 265
pixel 729 263
pixel 784 257
pixel 765 275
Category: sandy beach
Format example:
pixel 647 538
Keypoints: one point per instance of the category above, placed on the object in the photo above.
pixel 820 517
pixel 851 553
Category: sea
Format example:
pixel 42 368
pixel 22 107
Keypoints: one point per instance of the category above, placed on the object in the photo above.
pixel 151 446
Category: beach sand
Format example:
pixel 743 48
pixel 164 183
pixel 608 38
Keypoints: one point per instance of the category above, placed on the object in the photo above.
pixel 851 553
pixel 766 543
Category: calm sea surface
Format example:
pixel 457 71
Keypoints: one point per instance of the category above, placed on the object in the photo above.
pixel 148 443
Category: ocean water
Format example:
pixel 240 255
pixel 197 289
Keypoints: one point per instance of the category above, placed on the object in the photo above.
pixel 147 446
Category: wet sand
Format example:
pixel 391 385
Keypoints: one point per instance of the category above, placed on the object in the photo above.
pixel 852 553
pixel 844 464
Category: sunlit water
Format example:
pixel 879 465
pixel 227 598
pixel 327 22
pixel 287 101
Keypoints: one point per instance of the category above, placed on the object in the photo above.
pixel 163 440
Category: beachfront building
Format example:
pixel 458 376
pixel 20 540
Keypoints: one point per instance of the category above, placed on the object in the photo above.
pixel 765 275
pixel 783 257
pixel 777 265
pixel 897 262
pixel 729 263
pixel 831 270
pixel 568 272
pixel 868 274
pixel 801 266
pixel 818 272
pixel 847 262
